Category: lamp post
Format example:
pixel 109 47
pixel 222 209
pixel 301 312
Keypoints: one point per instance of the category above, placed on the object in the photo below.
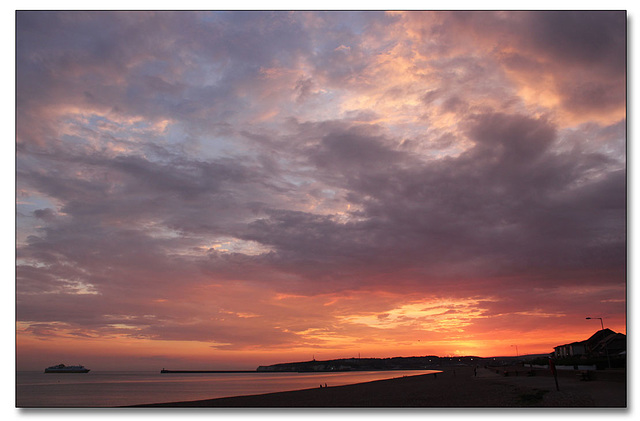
pixel 606 348
pixel 517 354
pixel 601 323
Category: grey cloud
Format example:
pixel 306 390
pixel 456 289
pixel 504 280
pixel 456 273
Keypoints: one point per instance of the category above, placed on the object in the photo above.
pixel 584 50
pixel 591 38
pixel 509 143
pixel 353 151
pixel 47 214
pixel 454 104
pixel 592 95
pixel 303 89
pixel 587 38
pixel 126 62
pixel 508 204
pixel 160 187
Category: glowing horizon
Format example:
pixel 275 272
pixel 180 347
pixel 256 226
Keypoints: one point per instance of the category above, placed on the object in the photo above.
pixel 234 189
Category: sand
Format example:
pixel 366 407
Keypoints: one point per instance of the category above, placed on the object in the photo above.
pixel 456 387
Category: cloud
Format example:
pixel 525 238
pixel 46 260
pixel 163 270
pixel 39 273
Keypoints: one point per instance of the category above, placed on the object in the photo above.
pixel 508 207
pixel 179 171
pixel 583 38
pixel 572 60
pixel 510 199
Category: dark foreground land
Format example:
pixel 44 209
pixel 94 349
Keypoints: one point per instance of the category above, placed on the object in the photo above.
pixel 456 387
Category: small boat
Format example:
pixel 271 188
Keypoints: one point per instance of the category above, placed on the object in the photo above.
pixel 61 368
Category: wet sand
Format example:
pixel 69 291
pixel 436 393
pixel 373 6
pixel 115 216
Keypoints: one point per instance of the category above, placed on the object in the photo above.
pixel 459 387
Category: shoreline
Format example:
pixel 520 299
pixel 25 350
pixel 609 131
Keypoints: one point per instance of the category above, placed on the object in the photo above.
pixel 453 387
pixel 163 371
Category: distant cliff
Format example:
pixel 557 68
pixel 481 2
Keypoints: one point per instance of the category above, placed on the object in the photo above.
pixel 396 363
pixel 358 364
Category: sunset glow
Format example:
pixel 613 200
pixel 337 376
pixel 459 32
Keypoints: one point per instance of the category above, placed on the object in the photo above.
pixel 205 190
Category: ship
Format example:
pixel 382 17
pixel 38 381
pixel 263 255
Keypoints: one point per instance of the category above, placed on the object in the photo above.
pixel 61 368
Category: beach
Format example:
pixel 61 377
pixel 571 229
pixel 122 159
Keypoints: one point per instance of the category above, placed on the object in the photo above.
pixel 455 387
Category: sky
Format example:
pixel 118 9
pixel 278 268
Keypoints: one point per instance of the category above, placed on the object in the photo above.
pixel 204 190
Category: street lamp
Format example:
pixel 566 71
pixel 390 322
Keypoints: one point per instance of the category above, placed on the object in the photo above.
pixel 606 347
pixel 601 323
pixel 517 355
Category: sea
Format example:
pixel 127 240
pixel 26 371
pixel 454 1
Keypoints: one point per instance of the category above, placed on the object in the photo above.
pixel 114 389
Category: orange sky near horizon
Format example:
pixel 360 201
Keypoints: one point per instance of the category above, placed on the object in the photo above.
pixel 116 354
pixel 234 189
pixel 442 327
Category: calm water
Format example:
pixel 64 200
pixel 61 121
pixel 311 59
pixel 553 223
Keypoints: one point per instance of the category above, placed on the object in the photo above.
pixel 105 389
